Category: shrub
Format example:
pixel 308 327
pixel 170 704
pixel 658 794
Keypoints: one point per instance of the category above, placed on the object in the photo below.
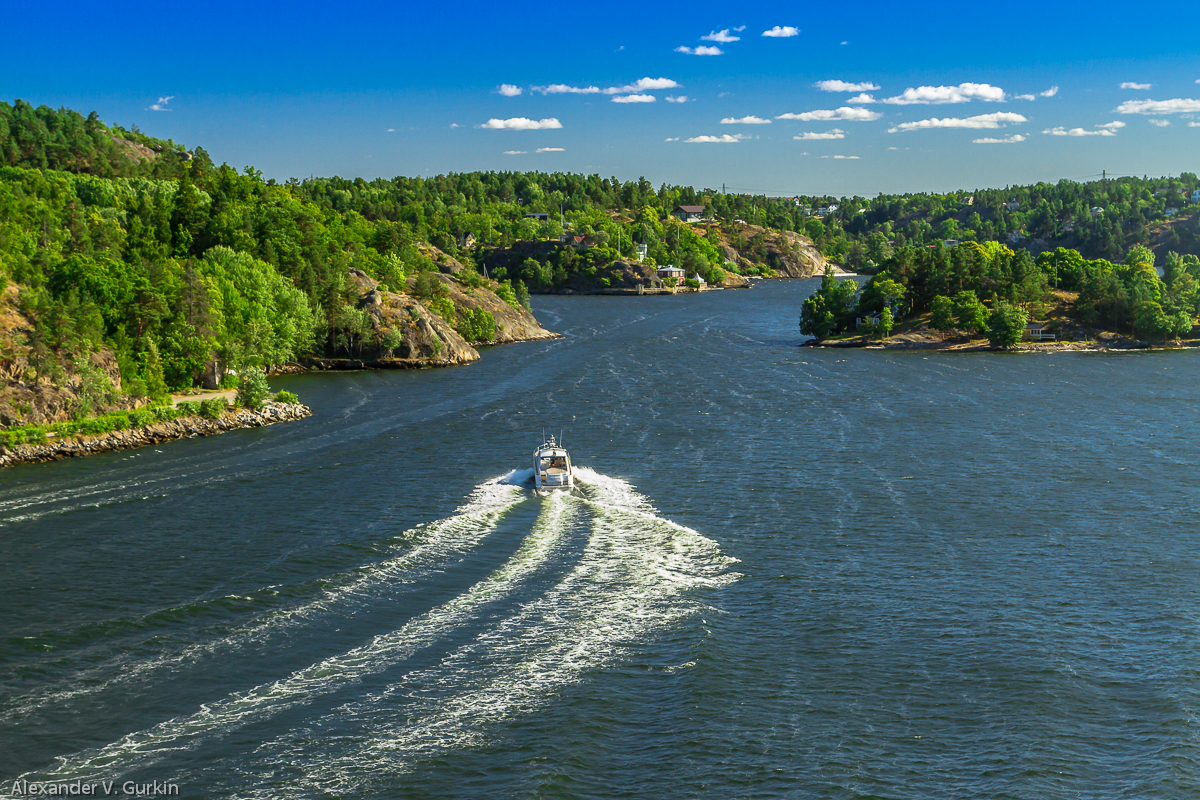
pixel 188 408
pixel 229 381
pixel 212 408
pixel 253 389
pixel 286 397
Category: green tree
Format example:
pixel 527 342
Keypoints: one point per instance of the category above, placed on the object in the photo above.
pixel 1153 323
pixel 943 314
pixel 970 314
pixel 1006 326
pixel 252 388
pixel 886 322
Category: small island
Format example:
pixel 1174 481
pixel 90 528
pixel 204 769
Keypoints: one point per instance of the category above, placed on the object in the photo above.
pixel 985 296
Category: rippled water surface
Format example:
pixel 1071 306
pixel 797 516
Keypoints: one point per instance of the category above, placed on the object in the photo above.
pixel 791 573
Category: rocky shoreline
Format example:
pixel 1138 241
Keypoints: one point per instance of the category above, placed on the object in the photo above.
pixel 183 428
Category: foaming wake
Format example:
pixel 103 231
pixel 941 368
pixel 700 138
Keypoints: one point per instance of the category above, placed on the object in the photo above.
pixel 636 577
pixel 146 747
pixel 434 543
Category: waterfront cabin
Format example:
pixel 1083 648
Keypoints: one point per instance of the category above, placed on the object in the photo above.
pixel 670 271
pixel 1036 331
pixel 689 213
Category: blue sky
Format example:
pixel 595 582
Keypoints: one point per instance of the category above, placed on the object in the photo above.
pixel 965 96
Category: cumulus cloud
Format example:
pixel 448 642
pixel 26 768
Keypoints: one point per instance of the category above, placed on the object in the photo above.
pixel 672 139
pixel 1132 85
pixel 1053 90
pixel 521 124
pixel 782 32
pixel 723 139
pixel 1162 123
pixel 859 99
pixel 721 36
pixel 1112 125
pixel 996 120
pixel 161 105
pixel 1061 131
pixel 751 120
pixel 562 88
pixel 643 85
pixel 843 86
pixel 836 133
pixel 509 90
pixel 550 150
pixel 1016 137
pixel 839 158
pixel 827 115
pixel 1179 105
pixel 393 130
pixel 515 152
pixel 683 98
pixel 1194 124
pixel 452 125
pixel 937 95
pixel 1025 97
pixel 741 28
pixel 635 98
pixel 702 50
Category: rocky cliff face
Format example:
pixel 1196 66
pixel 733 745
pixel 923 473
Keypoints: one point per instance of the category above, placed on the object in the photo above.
pixel 512 324
pixel 63 385
pixel 790 254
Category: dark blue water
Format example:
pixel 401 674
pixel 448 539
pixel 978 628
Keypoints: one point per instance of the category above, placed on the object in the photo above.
pixel 793 573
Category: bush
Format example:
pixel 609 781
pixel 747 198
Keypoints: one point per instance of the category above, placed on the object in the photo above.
pixel 286 397
pixel 229 381
pixel 253 388
pixel 212 408
pixel 189 408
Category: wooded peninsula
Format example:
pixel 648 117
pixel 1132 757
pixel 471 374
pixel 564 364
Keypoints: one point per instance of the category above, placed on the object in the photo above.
pixel 134 266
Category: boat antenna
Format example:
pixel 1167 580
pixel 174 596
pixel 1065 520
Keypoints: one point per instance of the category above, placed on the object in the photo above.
pixel 560 437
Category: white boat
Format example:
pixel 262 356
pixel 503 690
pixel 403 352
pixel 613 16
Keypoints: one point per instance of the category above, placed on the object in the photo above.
pixel 552 467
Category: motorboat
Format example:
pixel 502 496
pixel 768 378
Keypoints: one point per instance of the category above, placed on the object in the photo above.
pixel 552 467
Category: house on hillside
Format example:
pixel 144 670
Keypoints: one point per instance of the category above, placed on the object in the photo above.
pixel 539 217
pixel 1068 226
pixel 1172 211
pixel 670 271
pixel 825 211
pixel 642 251
pixel 1097 211
pixel 1196 196
pixel 1013 205
pixel 1016 237
pixel 689 213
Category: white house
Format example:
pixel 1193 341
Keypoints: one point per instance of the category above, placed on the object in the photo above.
pixel 642 251
pixel 689 213
pixel 1037 330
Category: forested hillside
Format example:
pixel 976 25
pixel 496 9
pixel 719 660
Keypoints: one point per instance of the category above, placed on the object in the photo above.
pixel 137 265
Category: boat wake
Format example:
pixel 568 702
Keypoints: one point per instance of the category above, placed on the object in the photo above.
pixel 593 578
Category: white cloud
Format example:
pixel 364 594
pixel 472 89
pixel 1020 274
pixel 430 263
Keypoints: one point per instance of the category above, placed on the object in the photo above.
pixel 1061 131
pixel 839 158
pixel 391 130
pixel 1111 125
pixel 745 121
pixel 843 113
pixel 672 139
pixel 1162 123
pixel 723 139
pixel 1016 137
pixel 937 95
pixel 859 99
pixel 683 98
pixel 161 105
pixel 643 85
pixel 514 152
pixel 1024 97
pixel 843 86
pixel 1194 124
pixel 721 36
pixel 635 98
pixel 996 120
pixel 1179 105
pixel 702 50
pixel 845 43
pixel 1053 90
pixel 782 32
pixel 562 88
pixel 836 133
pixel 452 125
pixel 508 90
pixel 741 28
pixel 1132 85
pixel 550 150
pixel 521 124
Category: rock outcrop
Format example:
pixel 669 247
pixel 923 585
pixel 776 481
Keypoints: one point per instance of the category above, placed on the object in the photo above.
pixel 183 428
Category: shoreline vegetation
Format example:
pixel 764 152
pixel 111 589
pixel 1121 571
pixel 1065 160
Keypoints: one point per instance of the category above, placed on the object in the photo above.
pixel 133 267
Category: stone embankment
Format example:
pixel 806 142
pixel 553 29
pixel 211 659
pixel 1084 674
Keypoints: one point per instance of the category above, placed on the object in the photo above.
pixel 183 428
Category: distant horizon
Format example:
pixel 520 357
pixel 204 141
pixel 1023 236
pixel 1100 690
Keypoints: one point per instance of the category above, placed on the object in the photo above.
pixel 771 101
